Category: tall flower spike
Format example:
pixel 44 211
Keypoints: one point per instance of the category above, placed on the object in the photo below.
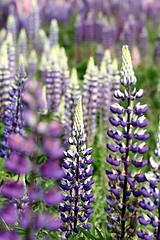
pixel 12 27
pixel 124 184
pixel 151 204
pixel 14 108
pixel 53 82
pixel 5 80
pixel 11 54
pixel 54 33
pixel 33 24
pixel 42 37
pixel 43 139
pixel 76 184
pixel 90 100
pixel 89 32
pixel 71 99
pixel 127 36
pixel 108 35
pixel 22 44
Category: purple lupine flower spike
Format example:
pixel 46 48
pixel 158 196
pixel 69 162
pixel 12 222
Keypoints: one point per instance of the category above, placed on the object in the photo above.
pixel 53 82
pixel 33 24
pixel 76 184
pixel 22 44
pixel 89 32
pixel 50 146
pixel 151 202
pixel 54 33
pixel 127 36
pixel 23 159
pixel 98 27
pixel 124 184
pixel 5 80
pixel 11 54
pixel 32 64
pixel 14 108
pixel 71 99
pixel 108 35
pixel 90 100
pixel 12 27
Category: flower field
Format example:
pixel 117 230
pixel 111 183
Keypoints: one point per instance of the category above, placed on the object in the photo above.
pixel 79 119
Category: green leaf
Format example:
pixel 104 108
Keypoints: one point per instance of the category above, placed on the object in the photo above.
pixel 99 234
pixel 87 234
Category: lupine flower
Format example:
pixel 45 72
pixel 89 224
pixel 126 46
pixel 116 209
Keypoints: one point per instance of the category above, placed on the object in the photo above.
pixel 53 82
pixel 42 40
pixel 99 27
pixel 12 27
pixel 151 201
pixel 89 31
pixel 19 211
pixel 124 184
pixel 89 28
pixel 4 79
pixel 22 44
pixel 54 33
pixel 32 64
pixel 90 101
pixel 33 24
pixel 71 99
pixel 14 107
pixel 11 54
pixel 108 35
pixel 76 184
pixel 127 36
